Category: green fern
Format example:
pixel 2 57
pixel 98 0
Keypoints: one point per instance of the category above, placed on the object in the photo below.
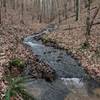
pixel 16 88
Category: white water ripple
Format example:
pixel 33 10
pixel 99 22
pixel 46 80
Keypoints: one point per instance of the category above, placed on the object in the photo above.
pixel 75 82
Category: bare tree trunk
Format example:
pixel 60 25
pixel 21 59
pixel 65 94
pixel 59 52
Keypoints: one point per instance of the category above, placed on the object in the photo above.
pixel 77 10
pixel 13 6
pixel 5 6
pixel 59 16
pixel 88 19
pixel 0 11
pixel 95 14
pixel 65 10
pixel 22 12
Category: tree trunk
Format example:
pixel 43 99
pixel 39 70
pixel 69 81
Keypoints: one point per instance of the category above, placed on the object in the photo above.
pixel 77 10
pixel 0 12
pixel 88 19
pixel 22 12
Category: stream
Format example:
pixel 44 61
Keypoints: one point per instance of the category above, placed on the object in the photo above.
pixel 72 82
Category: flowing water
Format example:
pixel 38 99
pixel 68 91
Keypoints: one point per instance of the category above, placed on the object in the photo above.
pixel 72 82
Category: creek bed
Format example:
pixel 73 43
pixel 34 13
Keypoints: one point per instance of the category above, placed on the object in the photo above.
pixel 72 82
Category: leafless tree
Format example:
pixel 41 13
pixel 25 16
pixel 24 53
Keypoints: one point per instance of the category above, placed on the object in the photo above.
pixel 22 12
pixel 0 11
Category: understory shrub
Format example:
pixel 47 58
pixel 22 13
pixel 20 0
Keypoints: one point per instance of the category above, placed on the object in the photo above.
pixel 17 63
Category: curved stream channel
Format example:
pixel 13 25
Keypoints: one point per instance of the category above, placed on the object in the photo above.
pixel 72 82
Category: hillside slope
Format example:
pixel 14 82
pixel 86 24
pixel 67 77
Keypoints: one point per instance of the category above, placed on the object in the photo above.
pixel 71 36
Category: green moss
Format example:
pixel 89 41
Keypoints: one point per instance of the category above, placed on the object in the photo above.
pixel 46 40
pixel 17 63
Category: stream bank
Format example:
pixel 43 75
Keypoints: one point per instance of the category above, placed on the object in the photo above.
pixel 72 79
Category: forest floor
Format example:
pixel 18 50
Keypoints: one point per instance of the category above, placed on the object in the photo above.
pixel 88 55
pixel 74 41
pixel 11 45
pixel 71 35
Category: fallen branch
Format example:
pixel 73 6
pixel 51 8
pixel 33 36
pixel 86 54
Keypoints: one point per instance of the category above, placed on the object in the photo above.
pixel 95 14
pixel 71 28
